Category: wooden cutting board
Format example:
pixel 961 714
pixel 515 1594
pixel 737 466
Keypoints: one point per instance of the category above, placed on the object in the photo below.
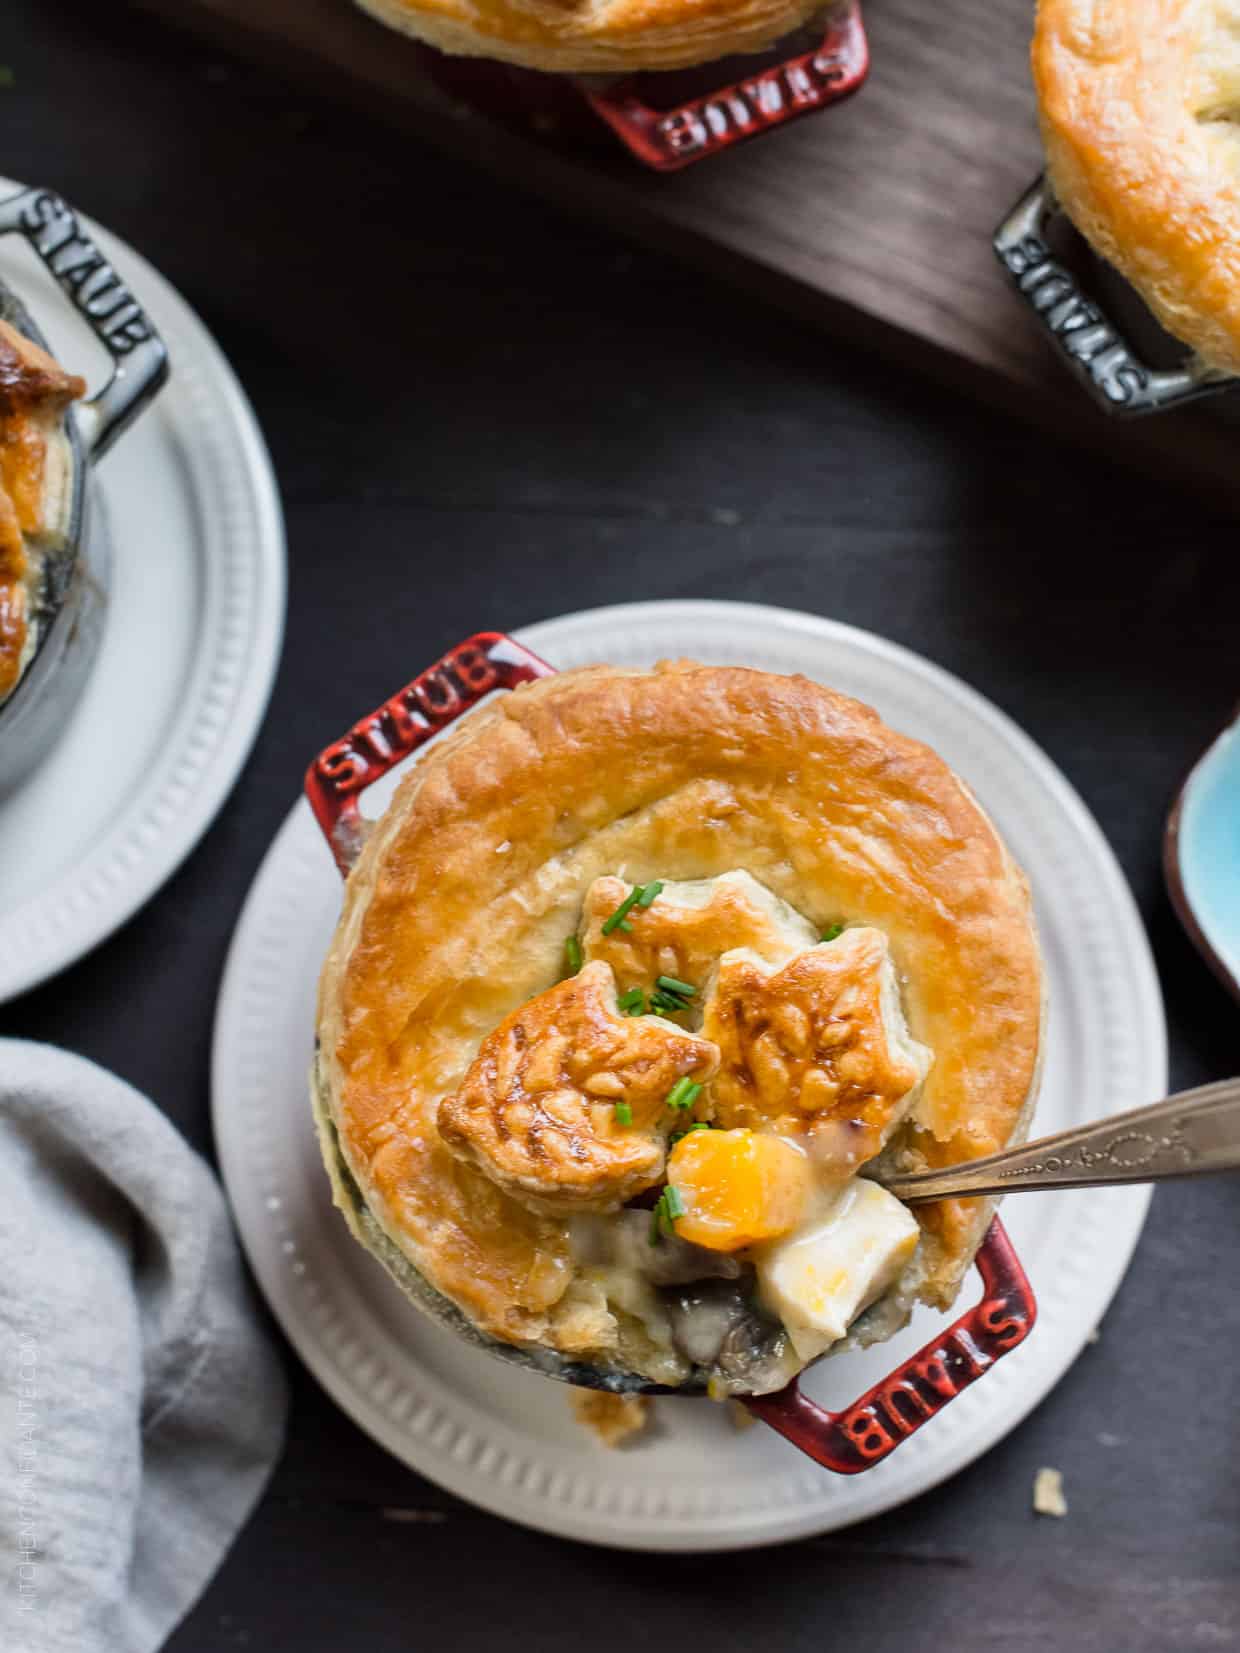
pixel 873 218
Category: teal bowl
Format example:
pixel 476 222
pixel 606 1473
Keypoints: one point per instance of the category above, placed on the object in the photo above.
pixel 1201 855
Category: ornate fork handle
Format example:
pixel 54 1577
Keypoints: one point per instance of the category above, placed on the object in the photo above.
pixel 1185 1136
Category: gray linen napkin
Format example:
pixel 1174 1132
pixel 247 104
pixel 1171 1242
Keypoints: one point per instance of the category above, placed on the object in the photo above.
pixel 141 1406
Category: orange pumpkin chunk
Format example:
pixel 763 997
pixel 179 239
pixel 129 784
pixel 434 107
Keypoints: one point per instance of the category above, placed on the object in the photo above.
pixel 738 1187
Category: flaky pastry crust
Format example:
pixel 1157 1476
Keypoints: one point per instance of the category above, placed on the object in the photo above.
pixel 1139 102
pixel 671 939
pixel 457 911
pixel 804 1049
pixel 599 36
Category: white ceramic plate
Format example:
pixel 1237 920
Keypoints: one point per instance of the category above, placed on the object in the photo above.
pixel 504 1438
pixel 189 650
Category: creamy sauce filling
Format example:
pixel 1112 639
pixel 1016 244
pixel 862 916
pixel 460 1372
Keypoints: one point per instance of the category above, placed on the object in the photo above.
pixel 750 1317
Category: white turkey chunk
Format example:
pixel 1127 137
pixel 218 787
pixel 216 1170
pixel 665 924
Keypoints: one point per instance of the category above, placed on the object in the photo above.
pixel 820 1277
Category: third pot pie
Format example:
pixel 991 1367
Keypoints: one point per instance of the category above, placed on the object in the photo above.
pixel 600 36
pixel 637 976
pixel 1139 106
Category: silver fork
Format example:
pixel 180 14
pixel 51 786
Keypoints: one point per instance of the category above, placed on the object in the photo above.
pixel 1186 1136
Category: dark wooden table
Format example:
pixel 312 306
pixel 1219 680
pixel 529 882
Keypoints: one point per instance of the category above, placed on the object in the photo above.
pixel 481 412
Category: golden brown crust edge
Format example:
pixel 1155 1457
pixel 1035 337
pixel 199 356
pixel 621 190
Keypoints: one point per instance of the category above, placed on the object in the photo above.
pixel 457 910
pixel 595 36
pixel 1125 97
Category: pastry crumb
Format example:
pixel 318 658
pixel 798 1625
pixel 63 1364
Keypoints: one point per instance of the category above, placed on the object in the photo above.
pixel 610 1418
pixel 1048 1498
pixel 742 1418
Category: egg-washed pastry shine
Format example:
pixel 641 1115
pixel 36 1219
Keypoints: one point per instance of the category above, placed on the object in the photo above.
pixel 807 811
pixel 817 1045
pixel 689 928
pixel 1139 103
pixel 604 36
pixel 537 1109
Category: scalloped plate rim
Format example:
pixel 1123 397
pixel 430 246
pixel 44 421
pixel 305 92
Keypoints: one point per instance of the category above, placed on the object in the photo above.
pixel 232 666
pixel 907 1473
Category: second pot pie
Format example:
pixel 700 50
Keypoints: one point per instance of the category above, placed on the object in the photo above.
pixel 35 467
pixel 1139 104
pixel 636 974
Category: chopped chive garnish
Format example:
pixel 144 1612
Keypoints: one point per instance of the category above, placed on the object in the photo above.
pixel 699 1125
pixel 683 1094
pixel 671 985
pixel 624 1114
pixel 666 1004
pixel 668 1208
pixel 572 954
pixel 831 932
pixel 641 895
pixel 672 1099
pixel 632 1003
pixel 622 911
pixel 679 1136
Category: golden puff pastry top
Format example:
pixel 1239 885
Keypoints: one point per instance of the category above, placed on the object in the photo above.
pixel 456 915
pixel 815 1047
pixel 685 931
pixel 578 36
pixel 1139 102
pixel 537 1108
